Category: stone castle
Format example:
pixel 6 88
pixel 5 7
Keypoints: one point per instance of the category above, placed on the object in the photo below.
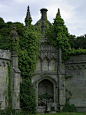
pixel 51 79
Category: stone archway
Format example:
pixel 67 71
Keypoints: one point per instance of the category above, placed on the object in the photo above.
pixel 45 92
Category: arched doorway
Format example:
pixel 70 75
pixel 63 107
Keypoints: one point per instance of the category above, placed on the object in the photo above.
pixel 45 92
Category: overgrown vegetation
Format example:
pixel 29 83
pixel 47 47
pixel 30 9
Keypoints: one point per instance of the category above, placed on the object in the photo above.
pixel 69 107
pixel 28 51
pixel 9 87
pixel 58 35
pixel 27 63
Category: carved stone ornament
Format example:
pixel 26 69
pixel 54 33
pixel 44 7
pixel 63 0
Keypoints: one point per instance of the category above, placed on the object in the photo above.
pixel 13 35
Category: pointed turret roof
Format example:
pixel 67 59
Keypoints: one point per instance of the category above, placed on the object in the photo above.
pixel 58 13
pixel 28 16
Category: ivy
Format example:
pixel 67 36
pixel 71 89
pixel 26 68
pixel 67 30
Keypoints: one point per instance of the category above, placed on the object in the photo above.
pixel 69 107
pixel 66 77
pixel 57 34
pixel 9 86
pixel 28 56
pixel 27 48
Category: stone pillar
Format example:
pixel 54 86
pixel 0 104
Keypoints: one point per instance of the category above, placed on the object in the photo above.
pixel 43 20
pixel 61 80
pixel 59 56
pixel 15 72
pixel 15 81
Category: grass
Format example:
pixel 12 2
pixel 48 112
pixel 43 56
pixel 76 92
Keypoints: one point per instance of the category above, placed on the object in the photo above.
pixel 64 113
pixel 76 113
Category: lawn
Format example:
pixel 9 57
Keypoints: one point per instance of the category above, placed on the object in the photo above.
pixel 76 113
pixel 63 113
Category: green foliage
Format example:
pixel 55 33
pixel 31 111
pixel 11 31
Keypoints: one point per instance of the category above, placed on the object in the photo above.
pixel 66 77
pixel 28 97
pixel 73 41
pixel 27 48
pixel 2 24
pixel 4 42
pixel 5 32
pixel 58 35
pixel 45 96
pixel 27 63
pixel 77 42
pixel 69 107
pixel 28 51
pixel 7 111
pixel 75 52
pixel 9 86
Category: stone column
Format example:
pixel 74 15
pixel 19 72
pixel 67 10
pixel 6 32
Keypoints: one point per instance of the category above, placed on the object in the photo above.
pixel 15 83
pixel 15 72
pixel 61 80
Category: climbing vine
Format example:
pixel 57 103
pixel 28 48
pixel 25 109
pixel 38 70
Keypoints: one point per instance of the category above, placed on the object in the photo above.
pixel 69 107
pixel 28 56
pixel 9 86
pixel 66 77
pixel 28 51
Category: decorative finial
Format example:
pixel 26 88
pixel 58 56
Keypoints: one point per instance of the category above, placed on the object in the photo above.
pixel 28 16
pixel 58 14
pixel 14 27
pixel 13 34
pixel 28 13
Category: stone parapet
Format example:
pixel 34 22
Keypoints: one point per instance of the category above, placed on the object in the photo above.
pixel 76 59
pixel 5 54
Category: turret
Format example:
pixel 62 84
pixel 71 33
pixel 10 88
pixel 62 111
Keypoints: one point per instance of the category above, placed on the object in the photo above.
pixel 58 13
pixel 28 16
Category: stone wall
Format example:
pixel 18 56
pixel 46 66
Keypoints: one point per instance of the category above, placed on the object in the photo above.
pixel 4 59
pixel 76 68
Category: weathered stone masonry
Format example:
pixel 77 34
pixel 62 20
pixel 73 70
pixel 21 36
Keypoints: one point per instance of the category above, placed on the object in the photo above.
pixel 76 67
pixel 11 79
pixel 49 78
pixel 50 70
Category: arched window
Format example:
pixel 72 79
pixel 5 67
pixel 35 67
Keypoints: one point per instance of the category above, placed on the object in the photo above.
pixel 38 65
pixel 52 65
pixel 45 65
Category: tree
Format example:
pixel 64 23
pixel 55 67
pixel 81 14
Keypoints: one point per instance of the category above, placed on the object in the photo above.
pixel 73 41
pixel 1 23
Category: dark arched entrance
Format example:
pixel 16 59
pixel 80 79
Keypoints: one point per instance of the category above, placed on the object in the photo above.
pixel 45 92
